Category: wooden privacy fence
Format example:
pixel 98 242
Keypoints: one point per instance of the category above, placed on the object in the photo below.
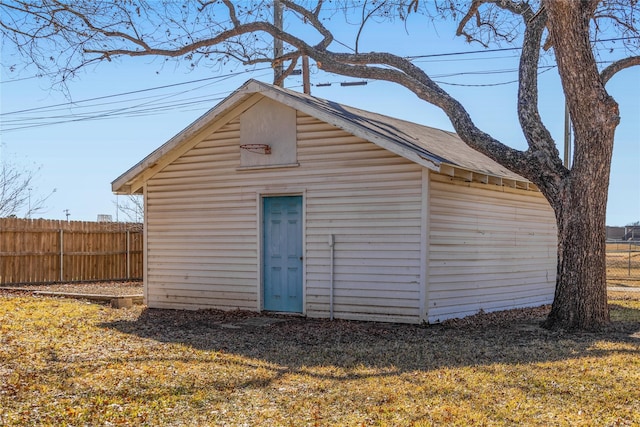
pixel 45 251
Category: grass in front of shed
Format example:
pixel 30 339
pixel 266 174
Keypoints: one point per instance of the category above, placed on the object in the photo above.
pixel 70 362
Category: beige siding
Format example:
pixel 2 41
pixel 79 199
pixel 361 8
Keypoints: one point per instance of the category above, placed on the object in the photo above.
pixel 203 215
pixel 490 248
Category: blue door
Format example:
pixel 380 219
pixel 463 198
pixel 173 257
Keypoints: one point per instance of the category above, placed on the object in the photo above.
pixel 283 254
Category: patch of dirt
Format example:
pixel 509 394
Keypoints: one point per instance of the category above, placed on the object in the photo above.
pixel 501 318
pixel 89 288
pixel 522 320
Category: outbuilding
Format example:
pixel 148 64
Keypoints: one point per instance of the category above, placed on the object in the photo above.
pixel 279 201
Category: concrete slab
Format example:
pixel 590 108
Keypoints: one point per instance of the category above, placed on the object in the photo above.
pixel 122 302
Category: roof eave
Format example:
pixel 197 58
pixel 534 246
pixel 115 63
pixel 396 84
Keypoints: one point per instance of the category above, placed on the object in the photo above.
pixel 485 178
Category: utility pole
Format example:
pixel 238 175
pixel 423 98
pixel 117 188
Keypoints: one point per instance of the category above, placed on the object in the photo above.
pixel 567 137
pixel 278 46
pixel 66 212
pixel 306 85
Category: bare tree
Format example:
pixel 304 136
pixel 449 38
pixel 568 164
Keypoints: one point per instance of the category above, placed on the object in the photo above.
pixel 68 35
pixel 16 190
pixel 131 208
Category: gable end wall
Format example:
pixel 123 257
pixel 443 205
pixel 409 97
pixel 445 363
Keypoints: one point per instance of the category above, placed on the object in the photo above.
pixel 203 215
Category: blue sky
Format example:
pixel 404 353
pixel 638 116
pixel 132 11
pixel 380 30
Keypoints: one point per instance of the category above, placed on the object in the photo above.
pixel 135 105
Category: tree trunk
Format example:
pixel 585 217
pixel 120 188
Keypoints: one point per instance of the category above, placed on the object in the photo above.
pixel 581 292
pixel 581 289
pixel 580 204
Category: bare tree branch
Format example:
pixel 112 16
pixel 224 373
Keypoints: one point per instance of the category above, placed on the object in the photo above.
pixel 618 66
pixel 17 190
pixel 365 17
pixel 474 11
pixel 543 154
pixel 312 18
pixel 132 207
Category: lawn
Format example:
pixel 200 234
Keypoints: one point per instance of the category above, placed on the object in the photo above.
pixel 69 362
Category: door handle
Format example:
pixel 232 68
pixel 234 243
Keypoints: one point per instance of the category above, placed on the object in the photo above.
pixel 301 257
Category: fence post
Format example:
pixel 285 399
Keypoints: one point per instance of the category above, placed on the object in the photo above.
pixel 61 255
pixel 629 268
pixel 128 256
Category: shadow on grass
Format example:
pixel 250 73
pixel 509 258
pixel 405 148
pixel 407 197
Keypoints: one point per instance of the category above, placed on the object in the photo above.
pixel 296 344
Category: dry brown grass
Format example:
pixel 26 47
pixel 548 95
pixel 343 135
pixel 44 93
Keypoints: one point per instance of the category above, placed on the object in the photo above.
pixel 623 261
pixel 66 362
pixel 624 283
pixel 111 288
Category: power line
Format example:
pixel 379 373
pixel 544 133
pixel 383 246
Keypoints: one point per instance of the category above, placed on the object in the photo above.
pixel 20 79
pixel 470 52
pixel 135 91
pixel 473 52
pixel 146 108
pixel 65 107
pixel 157 105
pixel 410 57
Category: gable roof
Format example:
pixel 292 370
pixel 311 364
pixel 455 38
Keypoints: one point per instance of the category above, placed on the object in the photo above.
pixel 436 149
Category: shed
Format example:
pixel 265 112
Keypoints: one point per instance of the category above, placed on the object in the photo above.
pixel 279 201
